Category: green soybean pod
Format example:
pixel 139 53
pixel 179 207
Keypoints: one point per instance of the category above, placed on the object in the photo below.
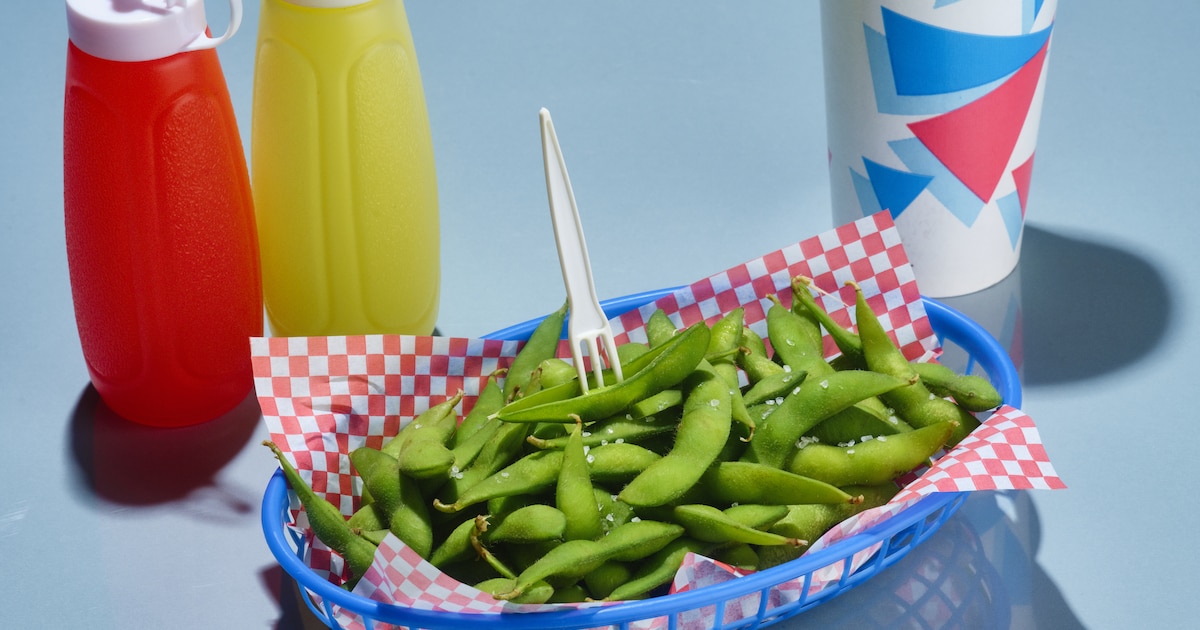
pixel 456 547
pixel 702 435
pixel 738 555
pixel 659 328
pixel 397 498
pixel 530 474
pixel 970 391
pixel 538 593
pixel 619 461
pixel 915 403
pixel 658 569
pixel 753 359
pixel 853 423
pixel 497 453
pixel 617 429
pixel 874 461
pixel 607 577
pixel 774 386
pixel 532 523
pixel 555 371
pixel 327 521
pixel 570 560
pixel 669 365
pixel 710 524
pixel 637 539
pixel 489 400
pixel 758 516
pixel 846 340
pixel 797 341
pixel 613 513
pixel 573 493
pixel 816 399
pixel 542 345
pixel 810 521
pixel 751 482
pixel 438 423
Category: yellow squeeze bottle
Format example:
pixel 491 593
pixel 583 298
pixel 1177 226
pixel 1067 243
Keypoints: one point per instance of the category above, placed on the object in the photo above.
pixel 342 171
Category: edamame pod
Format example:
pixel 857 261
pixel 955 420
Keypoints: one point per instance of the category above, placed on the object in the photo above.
pixel 529 474
pixel 972 392
pixel 817 398
pixel 846 340
pixel 617 429
pixel 456 547
pixel 542 345
pixel 811 521
pixel 702 434
pixel 571 560
pixel 670 364
pixel 619 461
pixel 490 399
pixel 914 402
pixel 658 569
pixel 327 521
pixel 573 493
pixel 709 524
pixel 607 577
pixel 758 516
pixel 750 482
pixel 533 523
pixel 874 461
pixel 538 593
pixel 397 498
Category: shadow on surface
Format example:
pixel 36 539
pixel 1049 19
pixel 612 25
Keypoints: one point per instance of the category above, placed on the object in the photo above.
pixel 1074 309
pixel 1089 308
pixel 978 571
pixel 294 613
pixel 131 464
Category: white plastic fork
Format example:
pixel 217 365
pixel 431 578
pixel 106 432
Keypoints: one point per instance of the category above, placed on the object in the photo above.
pixel 586 320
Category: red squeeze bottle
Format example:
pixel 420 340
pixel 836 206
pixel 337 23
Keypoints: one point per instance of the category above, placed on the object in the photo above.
pixel 161 239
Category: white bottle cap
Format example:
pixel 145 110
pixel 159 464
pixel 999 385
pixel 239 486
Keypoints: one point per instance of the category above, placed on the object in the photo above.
pixel 141 30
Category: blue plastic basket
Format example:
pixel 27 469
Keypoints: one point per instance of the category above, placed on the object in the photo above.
pixel 895 536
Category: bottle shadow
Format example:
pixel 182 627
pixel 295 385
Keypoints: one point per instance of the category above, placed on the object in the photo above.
pixel 1074 309
pixel 135 465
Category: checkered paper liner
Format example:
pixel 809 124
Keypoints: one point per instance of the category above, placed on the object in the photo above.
pixel 323 397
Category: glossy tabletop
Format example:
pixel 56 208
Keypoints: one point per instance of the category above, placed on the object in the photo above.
pixel 695 134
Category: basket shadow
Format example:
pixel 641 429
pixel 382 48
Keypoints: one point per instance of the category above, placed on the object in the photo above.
pixel 978 571
pixel 131 464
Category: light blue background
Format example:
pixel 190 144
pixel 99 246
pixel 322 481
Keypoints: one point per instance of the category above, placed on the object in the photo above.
pixel 694 132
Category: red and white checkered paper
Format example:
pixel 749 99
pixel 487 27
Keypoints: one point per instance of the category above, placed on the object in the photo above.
pixel 323 397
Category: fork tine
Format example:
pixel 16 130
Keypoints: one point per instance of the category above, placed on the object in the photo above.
pixel 610 348
pixel 597 361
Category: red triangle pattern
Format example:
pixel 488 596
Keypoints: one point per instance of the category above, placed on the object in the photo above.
pixel 976 140
pixel 1021 176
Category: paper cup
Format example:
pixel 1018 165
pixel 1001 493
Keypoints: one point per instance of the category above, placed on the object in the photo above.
pixel 932 109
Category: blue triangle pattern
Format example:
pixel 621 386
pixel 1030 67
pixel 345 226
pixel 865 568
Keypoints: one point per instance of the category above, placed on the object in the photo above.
pixel 895 189
pixel 866 194
pixel 947 188
pixel 928 59
pixel 1010 212
pixel 888 101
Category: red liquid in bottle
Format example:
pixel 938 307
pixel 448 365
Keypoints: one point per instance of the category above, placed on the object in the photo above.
pixel 161 239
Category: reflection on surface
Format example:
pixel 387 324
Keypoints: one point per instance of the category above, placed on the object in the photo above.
pixel 979 571
pixel 132 464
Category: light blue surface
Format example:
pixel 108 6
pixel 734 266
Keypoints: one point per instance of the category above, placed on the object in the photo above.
pixel 695 134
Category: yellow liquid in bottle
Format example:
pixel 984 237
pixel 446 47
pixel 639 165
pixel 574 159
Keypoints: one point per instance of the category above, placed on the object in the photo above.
pixel 342 170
